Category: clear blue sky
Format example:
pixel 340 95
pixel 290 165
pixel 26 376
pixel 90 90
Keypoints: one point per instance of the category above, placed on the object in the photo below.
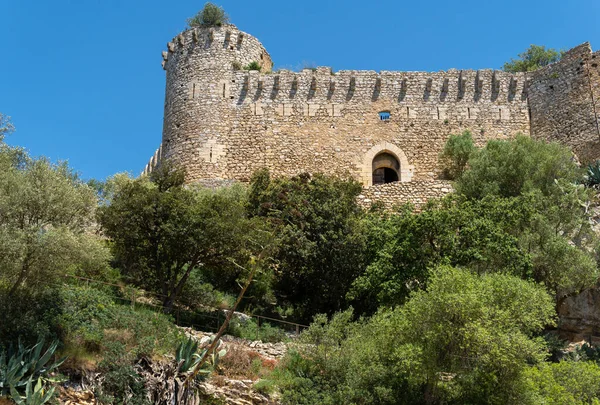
pixel 82 78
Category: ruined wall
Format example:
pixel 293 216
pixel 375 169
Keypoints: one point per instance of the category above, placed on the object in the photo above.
pixel 563 101
pixel 224 123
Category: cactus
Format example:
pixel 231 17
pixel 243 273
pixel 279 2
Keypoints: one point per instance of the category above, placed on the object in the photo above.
pixel 187 356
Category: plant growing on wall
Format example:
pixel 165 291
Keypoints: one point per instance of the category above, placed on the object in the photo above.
pixel 210 16
pixel 252 66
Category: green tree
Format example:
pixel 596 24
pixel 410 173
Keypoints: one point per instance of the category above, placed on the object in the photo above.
pixel 210 16
pixel 320 244
pixel 508 168
pixel 46 216
pixel 564 383
pixel 532 59
pixel 161 231
pixel 467 339
pixel 456 154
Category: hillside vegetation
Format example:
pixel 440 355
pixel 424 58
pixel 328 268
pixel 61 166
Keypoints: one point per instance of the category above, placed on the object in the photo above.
pixel 455 304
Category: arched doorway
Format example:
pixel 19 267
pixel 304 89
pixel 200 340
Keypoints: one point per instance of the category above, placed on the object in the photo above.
pixel 382 155
pixel 386 168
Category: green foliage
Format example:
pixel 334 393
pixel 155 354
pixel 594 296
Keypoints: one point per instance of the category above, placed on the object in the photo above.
pixel 29 314
pixel 249 329
pixel 188 359
pixel 509 168
pixel 121 384
pixel 185 355
pixel 456 154
pixel 320 243
pixel 546 239
pixel 532 59
pixel 210 16
pixel 20 366
pixel 44 213
pixel 90 320
pixel 564 383
pixel 84 314
pixel 592 178
pixel 162 231
pixel 252 66
pixel 467 339
pixel 37 395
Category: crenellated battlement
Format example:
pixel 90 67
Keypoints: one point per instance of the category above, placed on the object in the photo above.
pixel 362 86
pixel 228 40
pixel 223 123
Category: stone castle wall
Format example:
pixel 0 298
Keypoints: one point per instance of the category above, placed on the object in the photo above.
pixel 563 98
pixel 222 123
pixel 416 193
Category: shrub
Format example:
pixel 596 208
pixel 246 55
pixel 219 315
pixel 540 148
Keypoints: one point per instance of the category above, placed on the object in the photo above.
pixel 250 330
pixel 509 168
pixel 210 16
pixel 467 339
pixel 241 363
pixel 564 383
pixel 122 384
pixel 456 154
pixel 252 66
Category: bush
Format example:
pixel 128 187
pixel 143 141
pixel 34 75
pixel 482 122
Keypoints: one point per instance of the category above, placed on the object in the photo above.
pixel 467 339
pixel 564 383
pixel 90 319
pixel 28 315
pixel 456 154
pixel 240 363
pixel 509 168
pixel 249 329
pixel 122 384
pixel 210 16
pixel 84 313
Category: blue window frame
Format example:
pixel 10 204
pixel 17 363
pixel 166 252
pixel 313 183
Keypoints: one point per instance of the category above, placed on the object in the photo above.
pixel 384 116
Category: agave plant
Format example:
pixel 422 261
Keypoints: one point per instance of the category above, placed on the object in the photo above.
pixel 37 395
pixel 188 358
pixel 593 175
pixel 20 366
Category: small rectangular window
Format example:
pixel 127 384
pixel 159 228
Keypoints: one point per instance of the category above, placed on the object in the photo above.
pixel 384 116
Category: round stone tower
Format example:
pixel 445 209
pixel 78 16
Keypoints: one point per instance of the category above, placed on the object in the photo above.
pixel 200 65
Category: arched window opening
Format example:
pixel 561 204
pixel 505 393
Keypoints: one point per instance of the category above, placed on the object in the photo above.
pixel 386 168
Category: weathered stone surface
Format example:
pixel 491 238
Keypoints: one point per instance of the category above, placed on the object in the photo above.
pixel 222 123
pixel 580 316
pixel 416 192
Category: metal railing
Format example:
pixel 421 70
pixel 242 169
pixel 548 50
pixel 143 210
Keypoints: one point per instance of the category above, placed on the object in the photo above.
pixel 210 319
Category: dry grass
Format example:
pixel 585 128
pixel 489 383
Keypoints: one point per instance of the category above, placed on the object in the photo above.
pixel 241 363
